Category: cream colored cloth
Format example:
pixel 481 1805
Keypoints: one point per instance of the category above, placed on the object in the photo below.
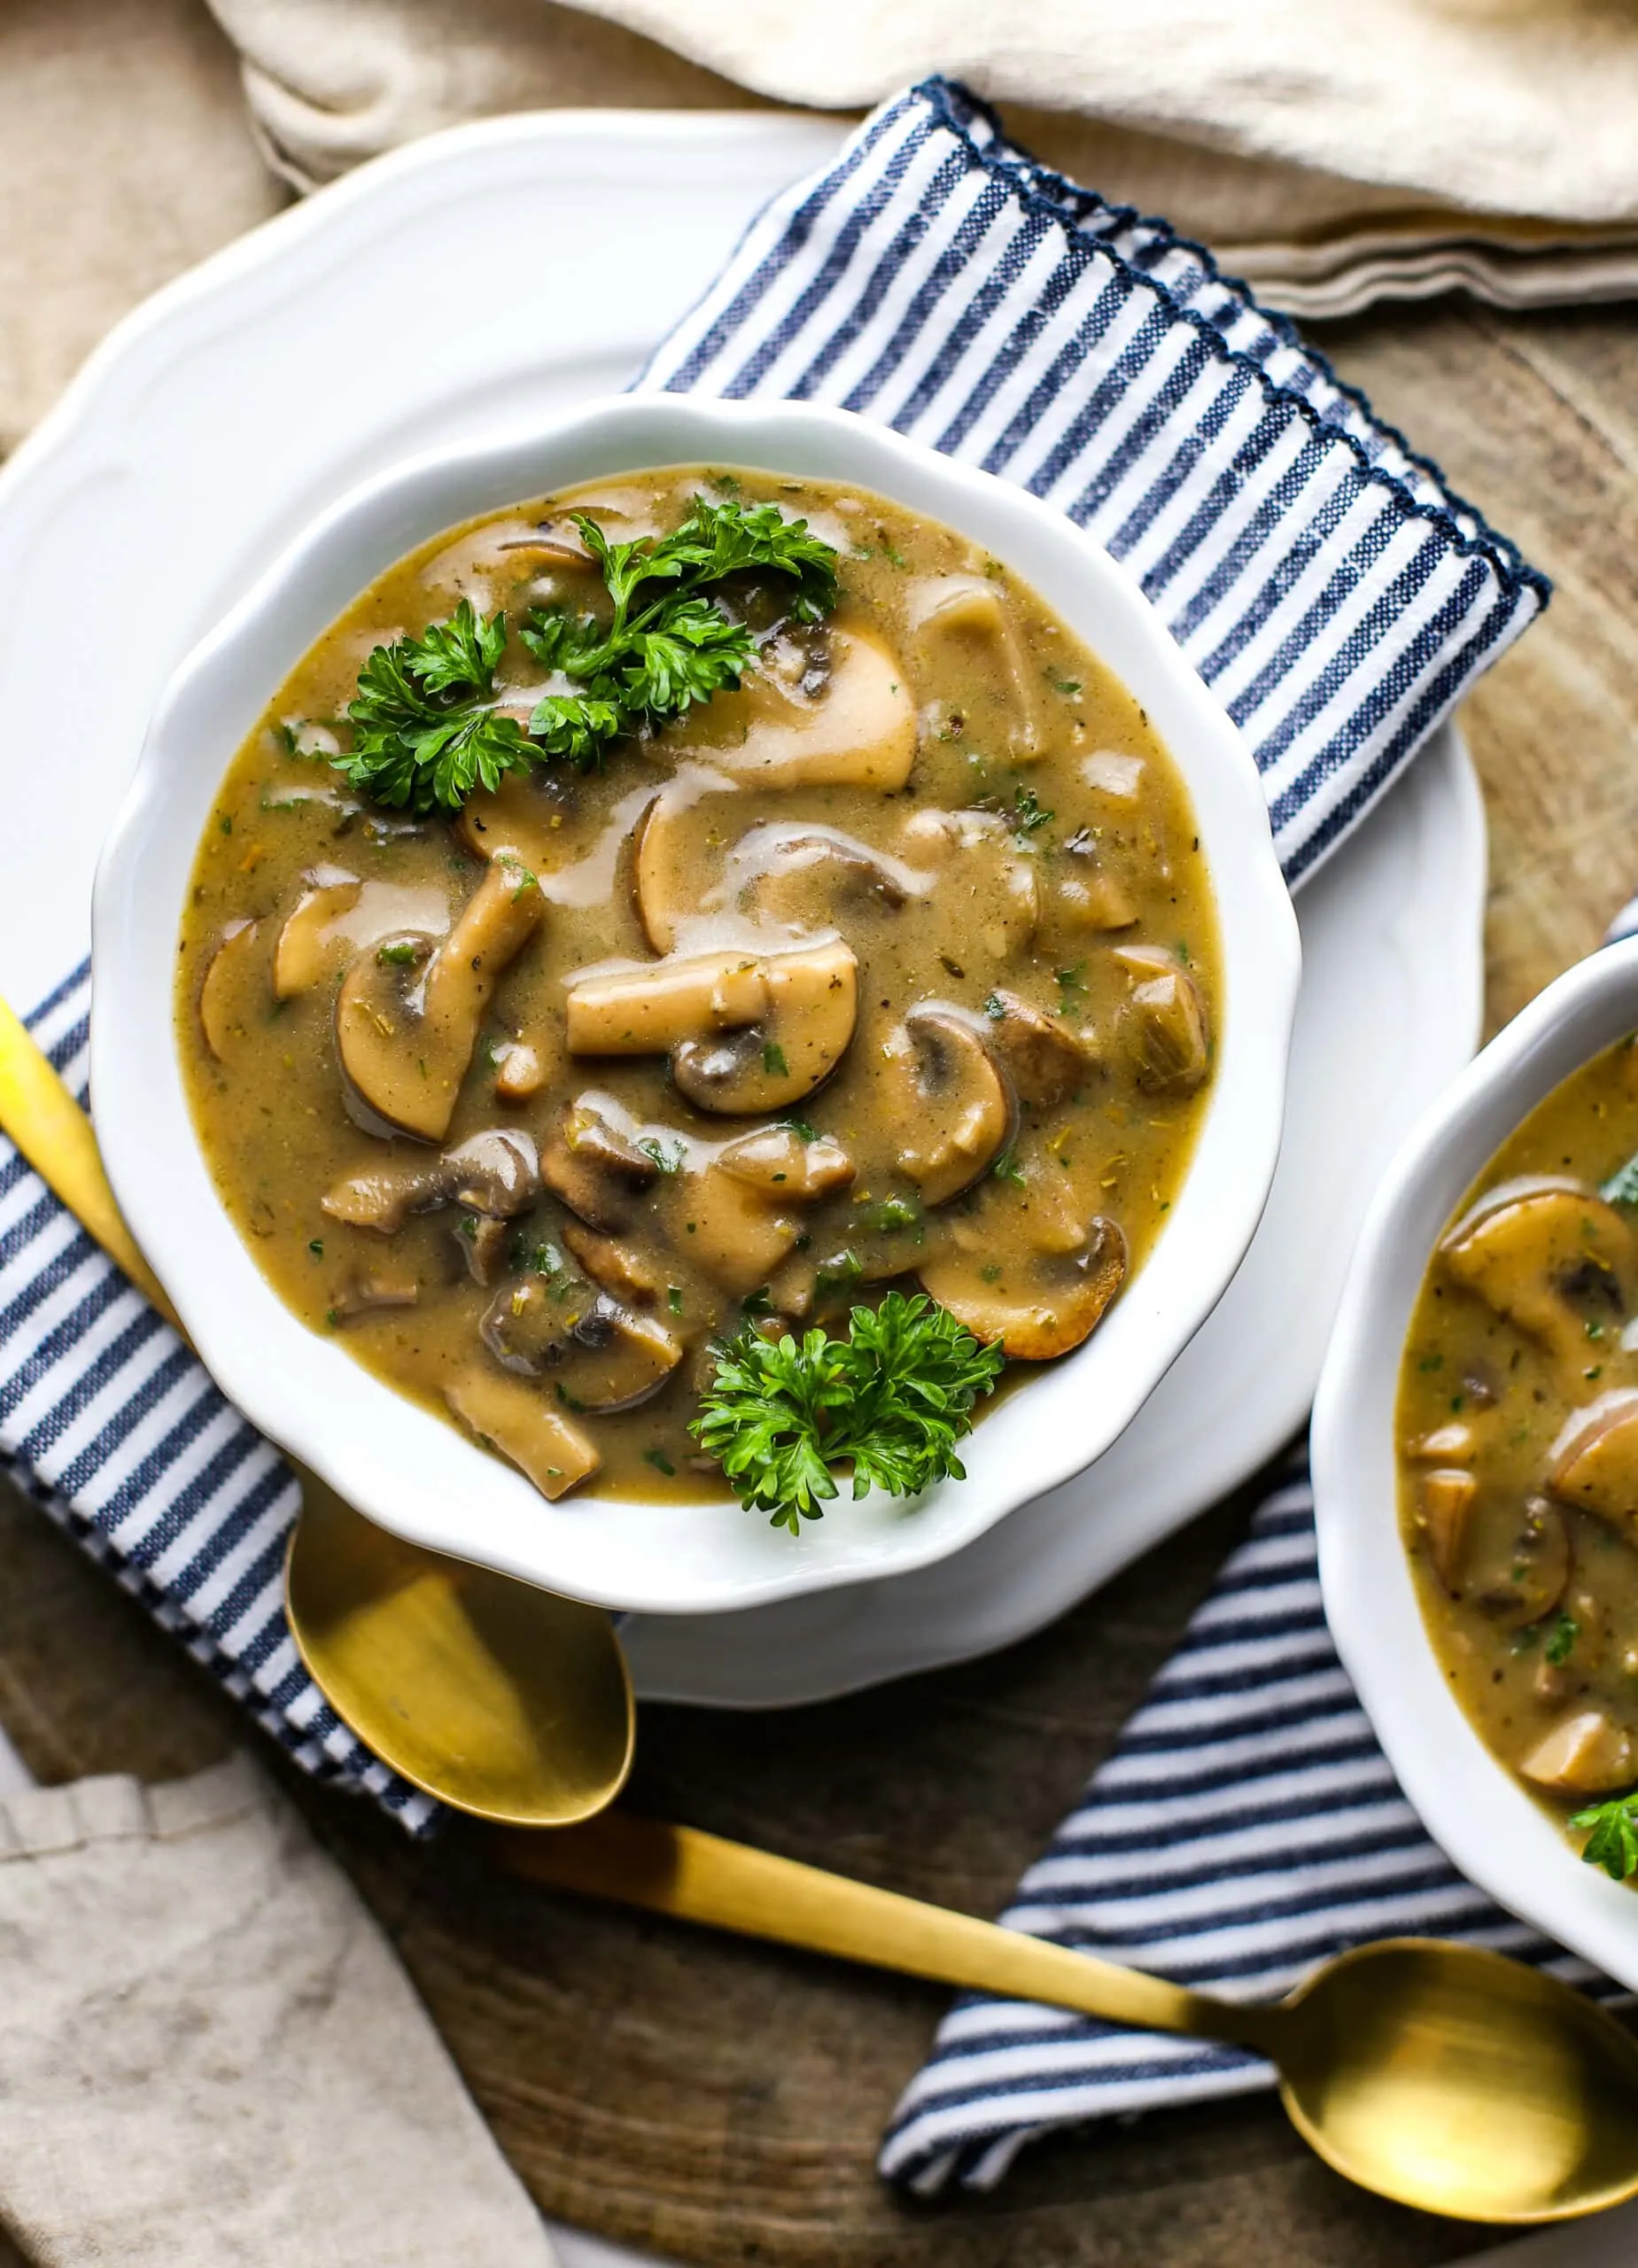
pixel 209 2055
pixel 1331 152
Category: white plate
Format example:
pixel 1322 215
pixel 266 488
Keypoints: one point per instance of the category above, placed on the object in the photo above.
pixel 137 509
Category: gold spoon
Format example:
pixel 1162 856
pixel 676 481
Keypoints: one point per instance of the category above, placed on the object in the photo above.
pixel 497 1697
pixel 1438 2074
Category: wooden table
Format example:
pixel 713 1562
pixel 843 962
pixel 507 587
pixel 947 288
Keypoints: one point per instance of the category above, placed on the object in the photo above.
pixel 721 2101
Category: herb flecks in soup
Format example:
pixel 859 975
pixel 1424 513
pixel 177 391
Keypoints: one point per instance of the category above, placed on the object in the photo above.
pixel 1518 1431
pixel 691 976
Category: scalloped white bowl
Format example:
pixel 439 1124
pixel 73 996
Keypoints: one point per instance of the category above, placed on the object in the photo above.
pixel 406 1468
pixel 1474 1809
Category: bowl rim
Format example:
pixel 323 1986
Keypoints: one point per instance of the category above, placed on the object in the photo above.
pixel 1472 1805
pixel 389 1456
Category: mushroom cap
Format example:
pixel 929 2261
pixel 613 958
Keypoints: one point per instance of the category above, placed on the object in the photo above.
pixel 793 1047
pixel 1163 1024
pixel 599 1354
pixel 596 1170
pixel 1528 1580
pixel 648 1007
pixel 233 987
pixel 734 1233
pixel 1046 1060
pixel 941 1088
pixel 787 1167
pixel 666 852
pixel 1039 1305
pixel 1586 1754
pixel 1538 1250
pixel 493 1172
pixel 963 639
pixel 407 1022
pixel 1594 1463
pixel 858 731
pixel 304 948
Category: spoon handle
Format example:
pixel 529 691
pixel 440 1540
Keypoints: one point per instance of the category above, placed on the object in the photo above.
pixel 698 1877
pixel 55 1135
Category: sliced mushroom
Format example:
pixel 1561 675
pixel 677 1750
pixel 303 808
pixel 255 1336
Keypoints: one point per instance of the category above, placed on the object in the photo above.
pixel 232 988
pixel 858 731
pixel 595 1169
pixel 1451 1444
pixel 406 1024
pixel 1035 1304
pixel 523 815
pixel 1445 1500
pixel 304 949
pixel 1549 1255
pixel 1085 894
pixel 943 1098
pixel 798 874
pixel 1531 1580
pixel 519 1072
pixel 786 1166
pixel 613 1266
pixel 513 1418
pixel 599 1354
pixel 1164 1023
pixel 482 1240
pixel 1594 1463
pixel 733 1232
pixel 494 1172
pixel 745 1033
pixel 1587 1754
pixel 982 871
pixel 666 852
pixel 962 637
pixel 369 1294
pixel 1047 1061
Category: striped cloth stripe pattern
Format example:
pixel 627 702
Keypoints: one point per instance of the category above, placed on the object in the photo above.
pixel 1245 1826
pixel 1321 578
pixel 109 1422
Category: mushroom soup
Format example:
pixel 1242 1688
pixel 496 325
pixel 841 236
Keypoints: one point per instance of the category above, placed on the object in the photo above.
pixel 580 971
pixel 1518 1434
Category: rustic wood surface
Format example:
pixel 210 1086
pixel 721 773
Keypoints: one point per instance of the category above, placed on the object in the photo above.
pixel 720 2102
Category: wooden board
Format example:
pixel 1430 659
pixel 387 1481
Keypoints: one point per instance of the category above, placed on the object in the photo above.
pixel 721 2102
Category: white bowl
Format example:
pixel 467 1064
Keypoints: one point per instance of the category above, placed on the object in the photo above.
pixel 1474 1809
pixel 408 1469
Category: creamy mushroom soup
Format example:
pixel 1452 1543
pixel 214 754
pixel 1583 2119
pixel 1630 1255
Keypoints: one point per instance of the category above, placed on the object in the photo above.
pixel 1517 1430
pixel 579 969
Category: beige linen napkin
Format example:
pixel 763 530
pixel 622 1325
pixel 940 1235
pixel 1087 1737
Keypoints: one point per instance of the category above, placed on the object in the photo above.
pixel 1331 153
pixel 209 2055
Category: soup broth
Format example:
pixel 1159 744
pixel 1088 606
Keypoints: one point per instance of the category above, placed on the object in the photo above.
pixel 896 963
pixel 1518 1431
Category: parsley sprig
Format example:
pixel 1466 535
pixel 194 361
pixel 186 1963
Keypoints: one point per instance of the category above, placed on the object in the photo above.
pixel 426 727
pixel 891 1399
pixel 1611 1834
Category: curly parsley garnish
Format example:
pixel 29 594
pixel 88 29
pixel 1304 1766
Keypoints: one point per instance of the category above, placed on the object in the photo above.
pixel 891 1399
pixel 1611 1834
pixel 427 729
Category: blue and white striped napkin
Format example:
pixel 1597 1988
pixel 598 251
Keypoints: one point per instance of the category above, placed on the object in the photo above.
pixel 1322 579
pixel 1246 1827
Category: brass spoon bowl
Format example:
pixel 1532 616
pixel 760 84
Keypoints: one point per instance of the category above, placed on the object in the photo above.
pixel 1440 2075
pixel 495 1697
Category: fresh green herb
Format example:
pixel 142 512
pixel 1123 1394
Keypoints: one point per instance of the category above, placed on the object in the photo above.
pixel 673 1297
pixel 774 1060
pixel 668 1161
pixel 842 1268
pixel 315 1246
pixel 890 1214
pixel 661 1462
pixel 1029 815
pixel 1069 686
pixel 995 1008
pixel 427 732
pixel 1622 1186
pixel 757 1302
pixel 991 1274
pixel 401 955
pixel 1432 1363
pixel 891 1400
pixel 800 1127
pixel 467 1227
pixel 225 823
pixel 1611 1834
pixel 424 731
pixel 1071 985
pixel 543 1258
pixel 1561 1640
pixel 1006 1167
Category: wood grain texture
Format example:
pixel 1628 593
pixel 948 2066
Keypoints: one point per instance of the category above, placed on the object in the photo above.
pixel 720 2101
